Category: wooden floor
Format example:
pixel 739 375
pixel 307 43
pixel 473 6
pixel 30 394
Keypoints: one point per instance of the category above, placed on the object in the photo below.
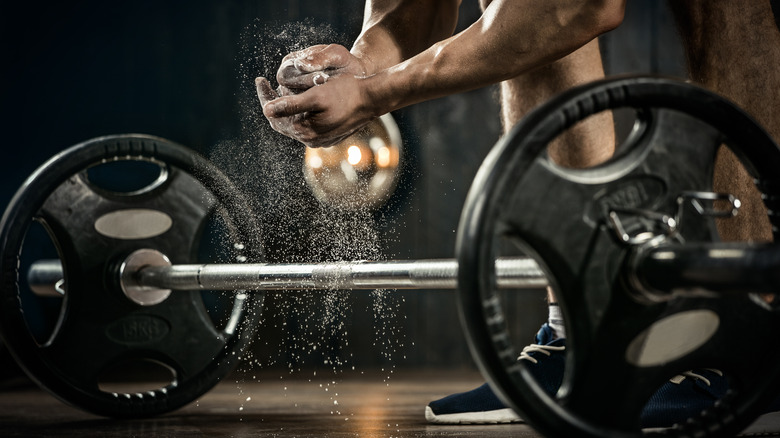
pixel 271 406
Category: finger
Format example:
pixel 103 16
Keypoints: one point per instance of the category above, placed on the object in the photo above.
pixel 290 77
pixel 303 52
pixel 284 91
pixel 264 91
pixel 304 81
pixel 293 77
pixel 332 56
pixel 305 61
pixel 289 106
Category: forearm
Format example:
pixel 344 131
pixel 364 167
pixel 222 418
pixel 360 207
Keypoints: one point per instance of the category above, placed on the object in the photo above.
pixel 512 37
pixel 396 30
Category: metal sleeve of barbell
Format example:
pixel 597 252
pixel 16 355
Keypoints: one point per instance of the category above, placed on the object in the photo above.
pixel 516 272
pixel 719 267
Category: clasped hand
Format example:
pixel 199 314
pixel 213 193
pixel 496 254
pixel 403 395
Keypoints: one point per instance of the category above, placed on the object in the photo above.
pixel 320 100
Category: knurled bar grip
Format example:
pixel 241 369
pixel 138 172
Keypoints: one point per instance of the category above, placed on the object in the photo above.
pixel 515 272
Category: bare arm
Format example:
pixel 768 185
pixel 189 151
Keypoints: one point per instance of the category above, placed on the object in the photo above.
pixel 393 31
pixel 511 38
pixel 396 30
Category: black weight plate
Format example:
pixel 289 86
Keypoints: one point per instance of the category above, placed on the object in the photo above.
pixel 98 330
pixel 562 218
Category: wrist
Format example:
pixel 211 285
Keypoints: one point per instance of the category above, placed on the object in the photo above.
pixel 367 64
pixel 381 96
pixel 376 51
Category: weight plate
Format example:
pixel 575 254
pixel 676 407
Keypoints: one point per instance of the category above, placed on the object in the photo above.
pixel 90 204
pixel 581 225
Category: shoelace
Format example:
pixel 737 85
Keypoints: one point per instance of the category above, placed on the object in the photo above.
pixel 536 348
pixel 680 377
pixel 548 349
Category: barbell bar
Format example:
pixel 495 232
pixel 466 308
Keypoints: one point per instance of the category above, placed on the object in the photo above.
pixel 147 276
pixel 517 272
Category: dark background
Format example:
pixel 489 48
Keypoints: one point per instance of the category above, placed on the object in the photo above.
pixel 184 70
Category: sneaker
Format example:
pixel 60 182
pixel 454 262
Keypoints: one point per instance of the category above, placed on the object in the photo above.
pixel 680 398
pixel 478 406
pixel 546 361
pixel 686 395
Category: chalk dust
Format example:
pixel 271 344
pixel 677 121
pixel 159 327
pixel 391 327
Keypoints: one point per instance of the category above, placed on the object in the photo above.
pixel 304 331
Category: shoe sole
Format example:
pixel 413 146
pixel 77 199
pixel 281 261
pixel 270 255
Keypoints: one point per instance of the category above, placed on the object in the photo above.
pixel 765 425
pixel 498 416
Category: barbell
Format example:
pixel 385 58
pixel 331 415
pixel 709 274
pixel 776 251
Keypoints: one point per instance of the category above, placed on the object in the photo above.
pixel 147 276
pixel 630 248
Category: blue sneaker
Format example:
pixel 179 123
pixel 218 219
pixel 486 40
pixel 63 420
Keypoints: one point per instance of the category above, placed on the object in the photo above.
pixel 546 361
pixel 680 398
pixel 688 394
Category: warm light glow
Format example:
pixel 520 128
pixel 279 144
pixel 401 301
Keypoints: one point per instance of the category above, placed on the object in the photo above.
pixel 358 172
pixel 383 157
pixel 354 155
pixel 315 161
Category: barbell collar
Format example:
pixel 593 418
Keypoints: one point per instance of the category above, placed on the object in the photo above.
pixel 45 278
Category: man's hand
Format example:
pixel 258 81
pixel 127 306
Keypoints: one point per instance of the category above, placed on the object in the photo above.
pixel 320 116
pixel 319 101
pixel 283 125
pixel 314 65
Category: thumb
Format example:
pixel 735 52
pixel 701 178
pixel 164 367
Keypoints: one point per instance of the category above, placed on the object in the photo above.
pixel 287 106
pixel 264 91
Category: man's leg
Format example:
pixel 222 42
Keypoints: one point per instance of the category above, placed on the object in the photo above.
pixel 733 48
pixel 589 142
pixel 586 144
